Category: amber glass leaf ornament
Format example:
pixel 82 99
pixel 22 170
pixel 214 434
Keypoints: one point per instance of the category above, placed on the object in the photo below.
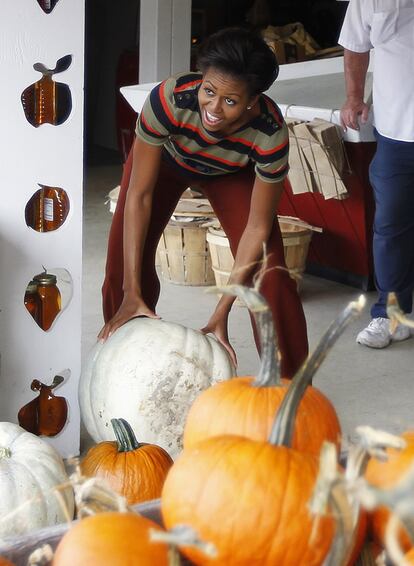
pixel 46 414
pixel 47 101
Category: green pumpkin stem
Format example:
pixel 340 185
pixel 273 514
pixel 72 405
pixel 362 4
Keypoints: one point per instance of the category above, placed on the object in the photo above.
pixel 124 435
pixel 284 423
pixel 269 371
pixel 5 452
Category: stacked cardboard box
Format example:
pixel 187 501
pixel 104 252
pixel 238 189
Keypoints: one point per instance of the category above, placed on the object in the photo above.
pixel 292 43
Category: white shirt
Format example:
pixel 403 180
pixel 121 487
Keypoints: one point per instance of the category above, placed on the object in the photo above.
pixel 388 27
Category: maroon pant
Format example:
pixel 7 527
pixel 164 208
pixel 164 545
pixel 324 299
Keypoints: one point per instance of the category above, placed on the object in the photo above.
pixel 229 196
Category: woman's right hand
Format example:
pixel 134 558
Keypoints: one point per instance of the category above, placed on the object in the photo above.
pixel 131 307
pixel 217 325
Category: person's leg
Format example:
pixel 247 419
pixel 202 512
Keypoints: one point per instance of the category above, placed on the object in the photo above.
pixel 112 293
pixel 167 193
pixel 392 178
pixel 230 197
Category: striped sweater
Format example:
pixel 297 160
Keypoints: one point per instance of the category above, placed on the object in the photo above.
pixel 171 117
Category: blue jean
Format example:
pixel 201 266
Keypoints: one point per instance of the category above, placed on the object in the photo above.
pixel 392 178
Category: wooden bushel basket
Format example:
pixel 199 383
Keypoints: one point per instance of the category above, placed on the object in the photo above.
pixel 221 255
pixel 296 240
pixel 183 254
pixel 296 237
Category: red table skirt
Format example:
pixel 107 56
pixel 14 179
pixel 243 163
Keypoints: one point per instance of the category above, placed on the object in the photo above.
pixel 343 251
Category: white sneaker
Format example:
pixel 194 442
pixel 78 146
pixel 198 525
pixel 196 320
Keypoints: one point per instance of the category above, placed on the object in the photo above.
pixel 377 334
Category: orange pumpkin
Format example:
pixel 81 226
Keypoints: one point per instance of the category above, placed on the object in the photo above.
pixel 360 538
pixel 250 498
pixel 386 474
pixel 246 406
pixel 410 556
pixel 111 539
pixel 136 471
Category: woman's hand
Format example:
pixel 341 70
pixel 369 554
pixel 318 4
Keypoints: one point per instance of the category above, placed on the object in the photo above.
pixel 131 307
pixel 217 325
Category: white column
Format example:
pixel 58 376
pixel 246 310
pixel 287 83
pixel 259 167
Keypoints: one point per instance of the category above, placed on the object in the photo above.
pixel 50 155
pixel 165 39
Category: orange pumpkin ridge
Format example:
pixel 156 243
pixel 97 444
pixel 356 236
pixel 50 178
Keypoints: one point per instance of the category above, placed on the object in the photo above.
pixel 136 471
pixel 410 556
pixel 250 498
pixel 111 539
pixel 246 405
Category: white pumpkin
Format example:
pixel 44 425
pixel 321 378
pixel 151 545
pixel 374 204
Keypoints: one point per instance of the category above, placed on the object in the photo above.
pixel 149 372
pixel 30 470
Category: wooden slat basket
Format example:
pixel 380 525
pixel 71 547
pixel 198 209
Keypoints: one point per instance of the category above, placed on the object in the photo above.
pixel 296 239
pixel 183 255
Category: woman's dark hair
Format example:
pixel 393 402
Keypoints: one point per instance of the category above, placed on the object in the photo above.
pixel 241 53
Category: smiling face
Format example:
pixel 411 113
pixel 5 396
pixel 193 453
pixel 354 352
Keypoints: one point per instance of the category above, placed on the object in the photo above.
pixel 223 102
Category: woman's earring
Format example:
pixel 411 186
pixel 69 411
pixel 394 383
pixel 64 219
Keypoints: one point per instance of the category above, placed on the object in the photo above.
pixel 249 107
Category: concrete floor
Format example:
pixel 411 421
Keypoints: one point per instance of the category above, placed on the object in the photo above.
pixel 367 386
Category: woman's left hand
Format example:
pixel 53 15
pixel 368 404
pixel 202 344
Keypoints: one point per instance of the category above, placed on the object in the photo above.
pixel 217 325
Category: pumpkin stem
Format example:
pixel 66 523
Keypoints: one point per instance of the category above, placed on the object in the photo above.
pixel 372 443
pixel 5 453
pixel 346 525
pixel 400 500
pixel 392 541
pixel 395 314
pixel 173 557
pixel 184 536
pixel 330 496
pixel 41 556
pixel 124 435
pixel 283 426
pixel 269 371
pixel 338 491
pixel 92 495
